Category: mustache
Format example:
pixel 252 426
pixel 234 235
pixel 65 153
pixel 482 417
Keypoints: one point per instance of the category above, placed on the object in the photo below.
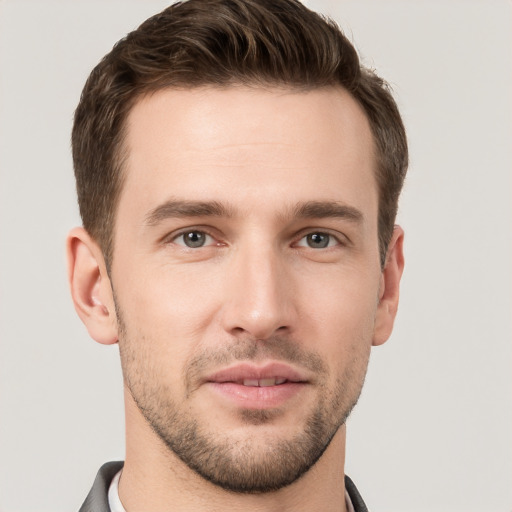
pixel 278 348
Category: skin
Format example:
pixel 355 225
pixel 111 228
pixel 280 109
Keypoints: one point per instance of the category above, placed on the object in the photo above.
pixel 256 283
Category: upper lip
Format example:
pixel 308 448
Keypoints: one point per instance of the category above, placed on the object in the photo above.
pixel 240 372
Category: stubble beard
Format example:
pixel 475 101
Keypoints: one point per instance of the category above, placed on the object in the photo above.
pixel 247 465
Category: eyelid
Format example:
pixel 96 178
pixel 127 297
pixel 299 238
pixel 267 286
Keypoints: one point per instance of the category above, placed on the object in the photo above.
pixel 207 240
pixel 172 237
pixel 342 239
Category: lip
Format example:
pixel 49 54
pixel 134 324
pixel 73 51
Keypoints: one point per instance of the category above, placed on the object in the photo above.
pixel 243 371
pixel 228 383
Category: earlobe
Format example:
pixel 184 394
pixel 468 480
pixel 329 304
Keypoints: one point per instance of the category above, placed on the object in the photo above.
pixel 90 286
pixel 389 288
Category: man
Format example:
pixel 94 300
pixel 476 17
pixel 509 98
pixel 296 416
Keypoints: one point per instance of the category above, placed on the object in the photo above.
pixel 238 174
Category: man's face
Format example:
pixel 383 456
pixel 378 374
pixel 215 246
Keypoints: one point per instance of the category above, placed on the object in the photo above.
pixel 246 275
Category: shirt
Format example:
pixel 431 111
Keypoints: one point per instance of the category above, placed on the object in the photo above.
pixel 117 506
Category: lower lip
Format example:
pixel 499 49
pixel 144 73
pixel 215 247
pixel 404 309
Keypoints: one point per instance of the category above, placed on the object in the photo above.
pixel 257 397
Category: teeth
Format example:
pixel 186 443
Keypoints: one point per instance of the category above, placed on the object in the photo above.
pixel 264 382
pixel 251 382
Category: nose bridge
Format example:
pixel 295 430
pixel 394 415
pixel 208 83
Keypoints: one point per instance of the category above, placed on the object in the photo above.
pixel 259 293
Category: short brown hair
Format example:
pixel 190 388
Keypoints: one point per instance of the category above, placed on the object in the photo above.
pixel 223 42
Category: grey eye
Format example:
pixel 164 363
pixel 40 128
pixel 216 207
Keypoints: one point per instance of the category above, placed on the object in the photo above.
pixel 318 240
pixel 193 239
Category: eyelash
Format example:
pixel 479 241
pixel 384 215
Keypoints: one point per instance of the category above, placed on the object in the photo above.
pixel 304 236
pixel 330 237
pixel 184 232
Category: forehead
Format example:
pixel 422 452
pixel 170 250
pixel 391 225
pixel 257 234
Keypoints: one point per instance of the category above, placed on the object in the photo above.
pixel 248 146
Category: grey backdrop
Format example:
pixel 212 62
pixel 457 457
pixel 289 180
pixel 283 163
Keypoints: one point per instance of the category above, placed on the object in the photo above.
pixel 433 430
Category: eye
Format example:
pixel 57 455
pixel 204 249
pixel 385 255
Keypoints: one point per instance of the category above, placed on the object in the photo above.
pixel 318 240
pixel 193 239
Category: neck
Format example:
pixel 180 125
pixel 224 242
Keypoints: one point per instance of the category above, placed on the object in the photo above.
pixel 154 478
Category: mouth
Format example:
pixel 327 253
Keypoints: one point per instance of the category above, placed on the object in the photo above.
pixel 263 383
pixel 257 387
pixel 269 374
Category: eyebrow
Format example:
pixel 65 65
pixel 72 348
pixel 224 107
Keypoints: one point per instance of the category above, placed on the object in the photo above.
pixel 307 210
pixel 178 208
pixel 327 209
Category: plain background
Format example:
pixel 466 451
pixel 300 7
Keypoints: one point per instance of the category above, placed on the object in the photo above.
pixel 433 429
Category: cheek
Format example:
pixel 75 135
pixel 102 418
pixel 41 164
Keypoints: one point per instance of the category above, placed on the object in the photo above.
pixel 165 311
pixel 342 303
pixel 340 325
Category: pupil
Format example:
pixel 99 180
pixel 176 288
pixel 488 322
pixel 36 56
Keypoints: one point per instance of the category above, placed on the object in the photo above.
pixel 194 239
pixel 318 240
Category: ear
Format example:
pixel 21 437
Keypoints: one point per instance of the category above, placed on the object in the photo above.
pixel 90 286
pixel 389 288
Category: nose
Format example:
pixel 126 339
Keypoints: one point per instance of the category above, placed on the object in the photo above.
pixel 259 295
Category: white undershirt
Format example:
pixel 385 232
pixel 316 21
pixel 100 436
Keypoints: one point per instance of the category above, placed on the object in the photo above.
pixel 116 505
pixel 113 494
